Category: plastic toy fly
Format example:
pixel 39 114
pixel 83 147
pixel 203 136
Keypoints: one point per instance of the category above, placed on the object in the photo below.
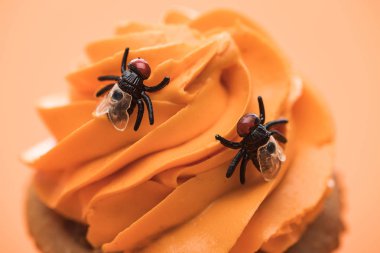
pixel 128 91
pixel 259 144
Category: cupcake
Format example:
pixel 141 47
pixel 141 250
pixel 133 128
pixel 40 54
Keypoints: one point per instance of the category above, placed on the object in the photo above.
pixel 162 187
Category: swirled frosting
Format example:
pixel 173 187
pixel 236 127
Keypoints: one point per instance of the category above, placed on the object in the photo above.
pixel 163 188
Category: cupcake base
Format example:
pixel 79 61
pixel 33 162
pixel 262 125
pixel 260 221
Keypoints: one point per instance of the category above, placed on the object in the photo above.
pixel 54 234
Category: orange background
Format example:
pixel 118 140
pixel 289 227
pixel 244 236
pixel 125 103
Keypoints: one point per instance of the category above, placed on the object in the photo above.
pixel 335 44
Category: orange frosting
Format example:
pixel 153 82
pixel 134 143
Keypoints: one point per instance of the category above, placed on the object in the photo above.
pixel 163 188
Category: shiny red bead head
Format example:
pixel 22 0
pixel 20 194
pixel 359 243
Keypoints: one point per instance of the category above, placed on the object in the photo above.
pixel 141 67
pixel 247 123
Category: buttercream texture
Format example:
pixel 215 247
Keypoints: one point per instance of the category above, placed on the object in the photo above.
pixel 163 188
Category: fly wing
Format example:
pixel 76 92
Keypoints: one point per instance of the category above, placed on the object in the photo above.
pixel 270 159
pixel 115 105
pixel 280 152
pixel 118 114
pixel 104 106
